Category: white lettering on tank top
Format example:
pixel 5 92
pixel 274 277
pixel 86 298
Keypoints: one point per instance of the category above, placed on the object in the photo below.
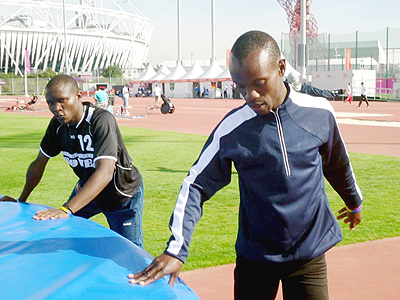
pixel 84 160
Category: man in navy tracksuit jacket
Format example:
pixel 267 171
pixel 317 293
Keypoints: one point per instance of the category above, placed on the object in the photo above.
pixel 282 144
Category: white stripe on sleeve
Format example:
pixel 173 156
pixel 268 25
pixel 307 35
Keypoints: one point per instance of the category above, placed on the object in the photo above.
pixel 228 125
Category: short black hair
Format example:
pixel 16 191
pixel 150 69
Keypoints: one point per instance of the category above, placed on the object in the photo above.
pixel 253 40
pixel 63 80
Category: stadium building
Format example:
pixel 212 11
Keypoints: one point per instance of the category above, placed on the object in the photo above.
pixel 97 34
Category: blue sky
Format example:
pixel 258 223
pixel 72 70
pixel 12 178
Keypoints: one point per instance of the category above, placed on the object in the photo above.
pixel 234 17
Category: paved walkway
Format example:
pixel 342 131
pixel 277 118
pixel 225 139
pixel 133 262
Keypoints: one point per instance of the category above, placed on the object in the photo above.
pixel 363 271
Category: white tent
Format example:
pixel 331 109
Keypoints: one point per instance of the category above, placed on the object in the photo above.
pixel 194 72
pixel 185 84
pixel 206 78
pixel 226 79
pixel 213 71
pixel 161 74
pixel 147 74
pixel 178 72
pixel 172 90
pixel 225 75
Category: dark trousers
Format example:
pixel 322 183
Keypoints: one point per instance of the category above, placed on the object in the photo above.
pixel 301 280
pixel 363 98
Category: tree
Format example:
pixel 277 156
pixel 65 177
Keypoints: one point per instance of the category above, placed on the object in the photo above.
pixel 48 73
pixel 112 71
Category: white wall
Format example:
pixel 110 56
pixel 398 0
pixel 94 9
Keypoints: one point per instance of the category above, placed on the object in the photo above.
pixel 369 79
pixel 181 90
pixel 207 85
pixel 185 90
pixel 332 80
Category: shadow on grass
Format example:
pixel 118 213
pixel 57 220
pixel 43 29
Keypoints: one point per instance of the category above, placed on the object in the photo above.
pixel 168 170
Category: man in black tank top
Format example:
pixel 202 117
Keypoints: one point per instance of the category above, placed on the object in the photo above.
pixel 90 141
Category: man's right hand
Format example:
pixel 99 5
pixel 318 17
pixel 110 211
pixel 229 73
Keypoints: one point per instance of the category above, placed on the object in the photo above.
pixel 163 265
pixel 8 199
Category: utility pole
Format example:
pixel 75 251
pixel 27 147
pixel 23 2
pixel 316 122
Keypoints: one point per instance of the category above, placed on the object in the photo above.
pixel 65 40
pixel 303 42
pixel 179 32
pixel 213 29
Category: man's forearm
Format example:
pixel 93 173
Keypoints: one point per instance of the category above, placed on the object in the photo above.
pixel 33 177
pixel 94 186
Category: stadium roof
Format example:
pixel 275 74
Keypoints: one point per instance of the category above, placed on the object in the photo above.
pixel 97 34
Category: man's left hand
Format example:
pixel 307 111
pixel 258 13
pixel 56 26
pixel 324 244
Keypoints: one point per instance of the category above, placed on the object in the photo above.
pixel 353 218
pixel 51 213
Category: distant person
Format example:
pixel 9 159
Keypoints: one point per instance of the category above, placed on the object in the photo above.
pixel 90 141
pixel 294 79
pixel 139 91
pixel 31 105
pixel 283 144
pixel 349 96
pixel 225 90
pixel 125 95
pixel 111 96
pixel 363 95
pixel 157 96
pixel 197 89
pixel 233 87
pixel 205 93
pixel 101 97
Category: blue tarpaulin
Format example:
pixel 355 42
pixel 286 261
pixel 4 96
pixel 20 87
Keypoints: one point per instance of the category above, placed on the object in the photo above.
pixel 71 258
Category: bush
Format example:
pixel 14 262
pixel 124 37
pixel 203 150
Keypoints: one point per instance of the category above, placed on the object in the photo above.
pixel 112 71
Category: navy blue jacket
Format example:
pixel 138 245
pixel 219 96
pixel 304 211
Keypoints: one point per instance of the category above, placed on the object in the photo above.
pixel 313 91
pixel 281 159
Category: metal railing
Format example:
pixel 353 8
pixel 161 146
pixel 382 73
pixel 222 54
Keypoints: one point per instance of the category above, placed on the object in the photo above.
pixel 16 86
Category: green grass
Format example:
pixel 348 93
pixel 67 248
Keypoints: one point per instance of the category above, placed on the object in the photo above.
pixel 164 159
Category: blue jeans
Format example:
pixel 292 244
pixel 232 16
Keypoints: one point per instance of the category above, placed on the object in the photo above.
pixel 125 220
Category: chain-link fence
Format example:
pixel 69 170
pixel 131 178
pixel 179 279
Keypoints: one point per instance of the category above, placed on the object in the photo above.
pixel 378 50
pixel 36 86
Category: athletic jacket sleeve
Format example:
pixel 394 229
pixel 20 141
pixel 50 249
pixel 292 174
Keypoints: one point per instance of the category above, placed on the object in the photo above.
pixel 313 91
pixel 337 167
pixel 209 174
pixel 205 178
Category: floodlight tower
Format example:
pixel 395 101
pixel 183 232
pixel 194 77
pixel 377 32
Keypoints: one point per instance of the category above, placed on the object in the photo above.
pixel 179 32
pixel 303 40
pixel 65 39
pixel 213 29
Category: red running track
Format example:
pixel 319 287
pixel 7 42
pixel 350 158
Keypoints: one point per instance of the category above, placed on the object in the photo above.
pixel 363 271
